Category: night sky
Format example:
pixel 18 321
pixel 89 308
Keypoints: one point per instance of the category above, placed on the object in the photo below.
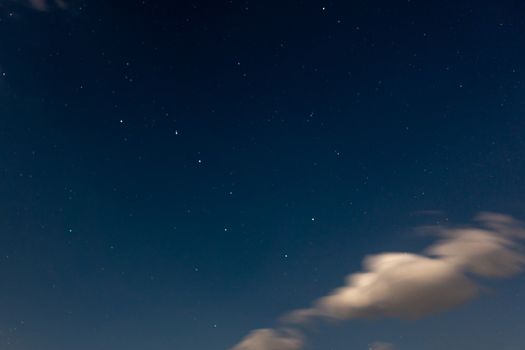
pixel 177 174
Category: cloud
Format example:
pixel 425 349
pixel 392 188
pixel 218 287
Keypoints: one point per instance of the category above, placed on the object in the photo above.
pixel 381 346
pixel 480 252
pixel 405 285
pixel 40 5
pixel 268 339
pixel 398 285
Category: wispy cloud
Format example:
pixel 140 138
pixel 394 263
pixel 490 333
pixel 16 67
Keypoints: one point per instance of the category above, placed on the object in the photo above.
pixel 406 285
pixel 381 346
pixel 39 5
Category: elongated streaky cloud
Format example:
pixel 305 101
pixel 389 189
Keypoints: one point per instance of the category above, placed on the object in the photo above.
pixel 404 285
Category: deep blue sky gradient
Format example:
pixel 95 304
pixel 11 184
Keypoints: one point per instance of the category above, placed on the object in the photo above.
pixel 161 163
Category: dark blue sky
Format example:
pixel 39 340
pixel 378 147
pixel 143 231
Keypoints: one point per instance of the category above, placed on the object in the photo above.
pixel 174 174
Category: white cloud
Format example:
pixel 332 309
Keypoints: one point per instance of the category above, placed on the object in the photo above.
pixel 404 285
pixel 268 339
pixel 398 285
pixel 482 252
